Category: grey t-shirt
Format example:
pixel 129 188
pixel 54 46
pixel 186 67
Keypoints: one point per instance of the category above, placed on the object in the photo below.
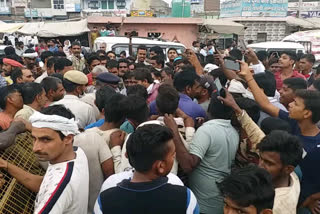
pixel 215 143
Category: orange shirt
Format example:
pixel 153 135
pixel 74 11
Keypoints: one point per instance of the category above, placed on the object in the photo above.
pixel 5 120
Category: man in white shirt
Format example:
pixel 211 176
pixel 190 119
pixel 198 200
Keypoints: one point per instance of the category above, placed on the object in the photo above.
pixel 64 187
pixel 74 82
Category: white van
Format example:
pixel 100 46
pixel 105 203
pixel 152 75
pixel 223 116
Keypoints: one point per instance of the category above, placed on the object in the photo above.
pixel 119 44
pixel 278 47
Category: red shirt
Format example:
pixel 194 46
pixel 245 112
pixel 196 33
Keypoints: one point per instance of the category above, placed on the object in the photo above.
pixel 279 81
pixel 90 79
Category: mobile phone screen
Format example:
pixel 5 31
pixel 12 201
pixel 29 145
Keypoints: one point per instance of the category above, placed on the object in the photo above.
pixel 231 65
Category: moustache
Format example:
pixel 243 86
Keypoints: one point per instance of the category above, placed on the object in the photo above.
pixel 40 153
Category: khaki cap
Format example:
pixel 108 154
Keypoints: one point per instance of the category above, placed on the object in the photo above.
pixel 76 77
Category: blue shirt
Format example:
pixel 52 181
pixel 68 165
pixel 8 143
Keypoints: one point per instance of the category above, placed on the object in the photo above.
pixel 54 49
pixel 308 142
pixel 126 126
pixel 186 105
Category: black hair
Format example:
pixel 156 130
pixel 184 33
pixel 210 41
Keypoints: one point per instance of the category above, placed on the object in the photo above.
pixel 111 52
pixel 187 77
pixel 61 63
pixel 103 57
pixel 158 50
pixel 311 101
pixel 295 83
pixel 168 71
pixel 123 53
pixel 137 90
pixel 101 52
pixel 247 186
pixel 103 95
pixel 316 84
pixel 159 60
pixel 210 59
pixel 318 70
pixel 147 145
pixel 309 57
pixel 270 124
pixel 287 145
pixel 143 74
pixel 273 60
pixel 75 43
pixel 167 100
pixel 184 60
pixel 57 75
pixel 115 108
pixel 217 110
pixel 172 49
pixel 50 83
pixel 236 54
pixel 267 82
pixel 112 64
pixel 123 61
pixel 69 86
pixel 59 54
pixel 292 55
pixel 15 74
pixel 16 58
pixel 137 108
pixel 250 106
pixel 262 55
pixel 29 50
pixel 30 91
pixel 194 42
pixel 5 92
pixel 128 75
pixel 92 57
pixel 51 61
pixel 9 51
pixel 142 47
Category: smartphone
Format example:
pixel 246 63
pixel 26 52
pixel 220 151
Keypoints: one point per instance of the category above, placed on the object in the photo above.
pixel 231 65
pixel 222 93
pixel 243 45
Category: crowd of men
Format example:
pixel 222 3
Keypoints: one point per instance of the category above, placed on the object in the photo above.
pixel 163 132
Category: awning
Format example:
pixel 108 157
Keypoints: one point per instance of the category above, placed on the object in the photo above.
pixel 223 26
pixel 9 27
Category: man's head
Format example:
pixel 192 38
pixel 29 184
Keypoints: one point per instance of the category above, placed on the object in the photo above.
pixel 280 152
pixel 111 55
pixel 274 65
pixel 137 109
pixel 172 54
pixel 143 77
pixel 50 65
pixel 157 62
pixel 123 67
pixel 156 51
pixel 93 60
pixel 248 190
pixel 151 150
pixel 103 46
pixel 95 29
pixel 51 43
pixel 52 142
pixel 207 87
pixel 167 75
pixel 217 110
pixel 74 82
pixel 167 100
pixel 263 57
pixel 115 109
pixel 196 44
pixel 187 82
pixel 29 58
pixel 76 49
pixel 287 60
pixel 270 124
pixel 10 96
pixel 23 75
pixel 103 60
pixel 106 78
pixel 290 85
pixel 53 88
pixel 306 62
pixel 9 65
pixel 315 85
pixel 112 67
pixel 179 62
pixel 266 82
pixel 45 55
pixel 137 90
pixel 103 94
pixel 62 65
pixel 306 106
pixel 141 53
pixel 34 94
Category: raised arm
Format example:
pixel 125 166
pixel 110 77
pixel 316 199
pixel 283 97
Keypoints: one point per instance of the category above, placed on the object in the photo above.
pixel 258 94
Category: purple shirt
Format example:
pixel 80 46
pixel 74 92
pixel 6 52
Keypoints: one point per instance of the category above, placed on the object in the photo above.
pixel 186 104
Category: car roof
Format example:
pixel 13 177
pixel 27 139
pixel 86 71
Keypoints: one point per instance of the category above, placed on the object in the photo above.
pixel 280 45
pixel 125 40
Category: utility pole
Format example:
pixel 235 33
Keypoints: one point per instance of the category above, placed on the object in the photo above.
pixel 300 8
pixel 30 9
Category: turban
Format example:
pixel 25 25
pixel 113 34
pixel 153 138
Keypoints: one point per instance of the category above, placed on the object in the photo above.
pixel 64 125
pixel 12 62
pixel 30 55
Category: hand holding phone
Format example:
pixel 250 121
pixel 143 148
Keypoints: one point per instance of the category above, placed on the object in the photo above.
pixel 231 65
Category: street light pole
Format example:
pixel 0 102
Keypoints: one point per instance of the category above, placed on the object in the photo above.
pixel 300 8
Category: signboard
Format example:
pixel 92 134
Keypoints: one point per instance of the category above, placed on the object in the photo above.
pixel 72 5
pixel 254 8
pixel 195 1
pixel 144 13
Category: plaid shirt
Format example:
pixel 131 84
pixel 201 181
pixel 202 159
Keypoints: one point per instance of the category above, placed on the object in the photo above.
pixel 3 81
pixel 78 64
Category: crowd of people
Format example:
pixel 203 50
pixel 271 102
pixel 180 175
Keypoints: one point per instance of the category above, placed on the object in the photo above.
pixel 162 132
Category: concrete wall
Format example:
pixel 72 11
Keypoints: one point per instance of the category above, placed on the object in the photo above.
pixel 212 5
pixel 276 31
pixel 185 34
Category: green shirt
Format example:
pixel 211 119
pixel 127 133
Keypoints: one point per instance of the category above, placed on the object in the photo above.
pixel 215 143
